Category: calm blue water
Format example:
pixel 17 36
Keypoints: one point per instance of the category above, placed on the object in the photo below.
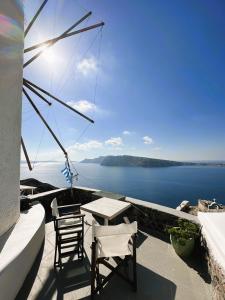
pixel 167 186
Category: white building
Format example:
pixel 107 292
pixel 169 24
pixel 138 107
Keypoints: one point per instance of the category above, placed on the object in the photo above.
pixel 17 252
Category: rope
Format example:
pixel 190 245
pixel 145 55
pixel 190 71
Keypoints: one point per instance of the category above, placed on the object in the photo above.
pixel 51 73
pixel 96 79
pixel 56 124
pixel 41 139
pixel 70 61
pixel 97 74
pixel 94 97
pixel 65 83
pixel 83 132
pixel 81 6
pixel 98 58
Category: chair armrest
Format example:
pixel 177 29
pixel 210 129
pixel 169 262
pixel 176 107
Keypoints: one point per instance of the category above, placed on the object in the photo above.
pixel 71 217
pixel 126 220
pixel 69 205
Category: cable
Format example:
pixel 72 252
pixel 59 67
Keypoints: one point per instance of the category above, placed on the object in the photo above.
pixel 97 74
pixel 41 139
pixel 82 57
pixel 94 100
pixel 72 58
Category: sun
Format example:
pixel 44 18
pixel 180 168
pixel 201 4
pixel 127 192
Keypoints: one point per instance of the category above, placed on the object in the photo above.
pixel 50 56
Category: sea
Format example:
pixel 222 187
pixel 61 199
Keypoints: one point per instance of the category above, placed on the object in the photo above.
pixel 166 186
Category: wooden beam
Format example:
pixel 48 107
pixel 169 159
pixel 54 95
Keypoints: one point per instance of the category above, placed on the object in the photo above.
pixel 26 154
pixel 57 99
pixel 34 18
pixel 52 40
pixel 55 40
pixel 44 121
pixel 36 92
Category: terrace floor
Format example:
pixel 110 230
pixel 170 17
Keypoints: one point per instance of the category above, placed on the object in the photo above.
pixel 162 275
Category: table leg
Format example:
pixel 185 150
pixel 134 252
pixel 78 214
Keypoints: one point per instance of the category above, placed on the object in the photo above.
pixel 106 222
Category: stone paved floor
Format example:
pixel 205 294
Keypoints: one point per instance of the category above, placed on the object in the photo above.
pixel 162 275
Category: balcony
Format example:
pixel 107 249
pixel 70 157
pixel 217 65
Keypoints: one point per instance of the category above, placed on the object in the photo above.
pixel 161 273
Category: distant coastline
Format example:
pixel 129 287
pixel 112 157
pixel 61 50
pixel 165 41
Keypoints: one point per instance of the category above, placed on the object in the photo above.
pixel 134 161
pixel 145 162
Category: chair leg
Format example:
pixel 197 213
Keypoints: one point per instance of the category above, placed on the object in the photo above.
pixel 134 265
pixel 56 246
pixel 59 255
pixel 98 275
pixel 82 241
pixel 93 270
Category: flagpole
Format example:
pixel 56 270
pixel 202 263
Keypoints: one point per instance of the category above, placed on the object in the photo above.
pixel 71 181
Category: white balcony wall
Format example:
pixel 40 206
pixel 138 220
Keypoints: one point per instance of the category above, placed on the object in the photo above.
pixel 11 61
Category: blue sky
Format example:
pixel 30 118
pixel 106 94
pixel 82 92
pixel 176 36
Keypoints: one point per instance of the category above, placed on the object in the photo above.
pixel 160 73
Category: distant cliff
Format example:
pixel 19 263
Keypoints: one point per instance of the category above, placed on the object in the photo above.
pixel 133 161
pixel 97 160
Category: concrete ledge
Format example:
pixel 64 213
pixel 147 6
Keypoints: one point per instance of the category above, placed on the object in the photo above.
pixel 163 209
pixel 152 217
pixel 19 250
pixel 86 189
pixel 46 194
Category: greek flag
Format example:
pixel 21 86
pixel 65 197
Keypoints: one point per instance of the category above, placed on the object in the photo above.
pixel 68 174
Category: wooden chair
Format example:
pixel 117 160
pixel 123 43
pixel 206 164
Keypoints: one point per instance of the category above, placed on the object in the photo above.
pixel 69 229
pixel 117 242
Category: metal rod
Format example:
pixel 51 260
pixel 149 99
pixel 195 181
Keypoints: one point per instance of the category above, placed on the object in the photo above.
pixel 83 29
pixel 38 94
pixel 53 41
pixel 58 100
pixel 26 154
pixel 44 121
pixel 34 18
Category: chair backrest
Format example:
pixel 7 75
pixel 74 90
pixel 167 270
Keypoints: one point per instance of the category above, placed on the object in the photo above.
pixel 111 230
pixel 113 240
pixel 54 207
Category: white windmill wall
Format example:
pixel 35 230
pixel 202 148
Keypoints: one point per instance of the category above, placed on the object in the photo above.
pixel 11 61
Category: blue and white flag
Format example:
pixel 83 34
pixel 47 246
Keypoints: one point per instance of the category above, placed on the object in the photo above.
pixel 68 174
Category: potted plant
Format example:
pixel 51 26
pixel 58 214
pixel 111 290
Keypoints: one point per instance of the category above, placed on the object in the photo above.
pixel 183 237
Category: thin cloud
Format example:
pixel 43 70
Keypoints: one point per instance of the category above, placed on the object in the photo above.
pixel 83 106
pixel 114 141
pixel 147 140
pixel 87 66
pixel 127 132
pixel 92 144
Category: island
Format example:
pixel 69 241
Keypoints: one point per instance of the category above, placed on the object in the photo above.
pixel 134 161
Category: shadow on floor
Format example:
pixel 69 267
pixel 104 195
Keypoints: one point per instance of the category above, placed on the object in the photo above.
pixel 198 262
pixel 29 281
pixel 141 237
pixel 150 286
pixel 75 275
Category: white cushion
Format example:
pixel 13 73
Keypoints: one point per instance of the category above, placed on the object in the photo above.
pixel 113 240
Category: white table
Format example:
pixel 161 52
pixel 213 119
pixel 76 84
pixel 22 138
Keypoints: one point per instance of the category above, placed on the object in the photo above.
pixel 106 208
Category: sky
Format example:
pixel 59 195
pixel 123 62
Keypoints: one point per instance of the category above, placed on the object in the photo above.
pixel 153 79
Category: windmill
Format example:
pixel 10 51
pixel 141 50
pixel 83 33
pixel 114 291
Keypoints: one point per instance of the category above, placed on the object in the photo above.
pixel 29 86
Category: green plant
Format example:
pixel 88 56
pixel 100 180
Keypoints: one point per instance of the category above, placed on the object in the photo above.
pixel 184 231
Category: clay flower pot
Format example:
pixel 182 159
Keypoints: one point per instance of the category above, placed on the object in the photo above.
pixel 183 249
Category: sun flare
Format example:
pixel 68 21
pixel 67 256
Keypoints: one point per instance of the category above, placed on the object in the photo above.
pixel 50 56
